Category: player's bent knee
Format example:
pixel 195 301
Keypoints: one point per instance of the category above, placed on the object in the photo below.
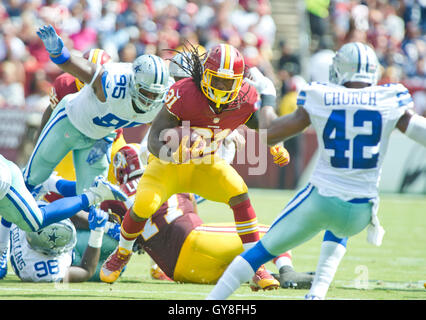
pixel 147 203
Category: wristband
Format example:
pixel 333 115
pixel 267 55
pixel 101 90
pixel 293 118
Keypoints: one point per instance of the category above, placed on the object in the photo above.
pixel 268 100
pixel 95 238
pixel 62 58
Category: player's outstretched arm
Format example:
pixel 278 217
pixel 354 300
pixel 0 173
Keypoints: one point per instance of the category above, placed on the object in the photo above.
pixel 97 220
pixel 287 126
pixel 413 125
pixel 164 120
pixel 77 66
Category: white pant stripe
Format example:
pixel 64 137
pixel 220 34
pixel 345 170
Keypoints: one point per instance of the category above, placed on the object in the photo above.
pixel 46 130
pixel 25 209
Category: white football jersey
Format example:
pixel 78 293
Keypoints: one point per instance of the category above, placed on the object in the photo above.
pixel 97 119
pixel 30 265
pixel 353 128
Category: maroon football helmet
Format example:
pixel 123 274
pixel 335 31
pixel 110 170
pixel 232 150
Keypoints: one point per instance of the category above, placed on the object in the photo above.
pixel 222 74
pixel 127 163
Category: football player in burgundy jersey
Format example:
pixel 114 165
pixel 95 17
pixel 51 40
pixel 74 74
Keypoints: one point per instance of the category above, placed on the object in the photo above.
pixel 216 99
pixel 176 238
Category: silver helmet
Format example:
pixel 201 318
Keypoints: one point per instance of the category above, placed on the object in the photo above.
pixel 179 66
pixel 149 82
pixel 54 239
pixel 354 61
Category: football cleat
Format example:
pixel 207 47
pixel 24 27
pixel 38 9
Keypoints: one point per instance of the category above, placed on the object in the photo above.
pixel 103 190
pixel 289 278
pixel 158 274
pixel 114 265
pixel 262 279
pixel 312 297
pixel 3 264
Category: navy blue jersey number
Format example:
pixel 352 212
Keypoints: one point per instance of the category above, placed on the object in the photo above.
pixel 334 137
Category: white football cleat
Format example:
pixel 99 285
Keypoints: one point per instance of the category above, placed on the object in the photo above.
pixel 103 190
pixel 312 297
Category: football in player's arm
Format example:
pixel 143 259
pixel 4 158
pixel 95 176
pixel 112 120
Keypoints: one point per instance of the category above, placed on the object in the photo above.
pixel 215 100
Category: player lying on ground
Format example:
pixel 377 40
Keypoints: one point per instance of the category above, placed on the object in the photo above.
pixel 19 207
pixel 49 255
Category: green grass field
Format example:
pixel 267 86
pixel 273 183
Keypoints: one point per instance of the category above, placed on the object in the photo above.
pixel 394 271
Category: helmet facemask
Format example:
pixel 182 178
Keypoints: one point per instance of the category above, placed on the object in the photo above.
pixel 149 82
pixel 147 98
pixel 221 87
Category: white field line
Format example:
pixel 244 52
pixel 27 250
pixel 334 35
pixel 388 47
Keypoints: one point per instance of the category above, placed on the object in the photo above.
pixel 109 291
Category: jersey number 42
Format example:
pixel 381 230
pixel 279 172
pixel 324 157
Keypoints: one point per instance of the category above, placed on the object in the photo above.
pixel 334 137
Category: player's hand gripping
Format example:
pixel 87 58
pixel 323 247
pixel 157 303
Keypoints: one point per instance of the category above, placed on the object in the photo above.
pixel 97 218
pixel 281 155
pixel 51 40
pixel 195 150
pixel 263 85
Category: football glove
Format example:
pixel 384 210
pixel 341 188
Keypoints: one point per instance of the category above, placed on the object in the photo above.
pixel 280 154
pixel 97 218
pixel 51 40
pixel 263 85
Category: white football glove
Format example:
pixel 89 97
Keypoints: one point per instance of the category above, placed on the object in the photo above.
pixel 51 40
pixel 263 85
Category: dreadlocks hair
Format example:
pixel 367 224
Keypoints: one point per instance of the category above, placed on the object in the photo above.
pixel 195 62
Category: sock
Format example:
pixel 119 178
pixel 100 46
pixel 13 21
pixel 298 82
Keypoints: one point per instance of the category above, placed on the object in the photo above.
pixel 238 272
pixel 331 255
pixel 63 208
pixel 283 260
pixel 66 188
pixel 257 256
pixel 246 223
pixel 130 230
pixel 4 234
pixel 126 244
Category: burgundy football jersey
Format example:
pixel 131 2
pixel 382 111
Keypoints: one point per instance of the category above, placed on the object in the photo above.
pixel 165 232
pixel 168 228
pixel 188 103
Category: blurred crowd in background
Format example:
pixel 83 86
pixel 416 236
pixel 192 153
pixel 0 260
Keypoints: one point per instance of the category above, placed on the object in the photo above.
pixel 129 28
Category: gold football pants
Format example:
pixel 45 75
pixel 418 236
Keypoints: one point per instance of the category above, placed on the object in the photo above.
pixel 217 181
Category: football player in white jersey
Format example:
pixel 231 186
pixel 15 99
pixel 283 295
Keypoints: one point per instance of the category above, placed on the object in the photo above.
pixel 19 207
pixel 353 118
pixel 117 95
pixel 47 255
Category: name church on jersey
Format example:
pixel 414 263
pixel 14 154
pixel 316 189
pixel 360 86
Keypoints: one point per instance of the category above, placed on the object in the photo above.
pixel 332 98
